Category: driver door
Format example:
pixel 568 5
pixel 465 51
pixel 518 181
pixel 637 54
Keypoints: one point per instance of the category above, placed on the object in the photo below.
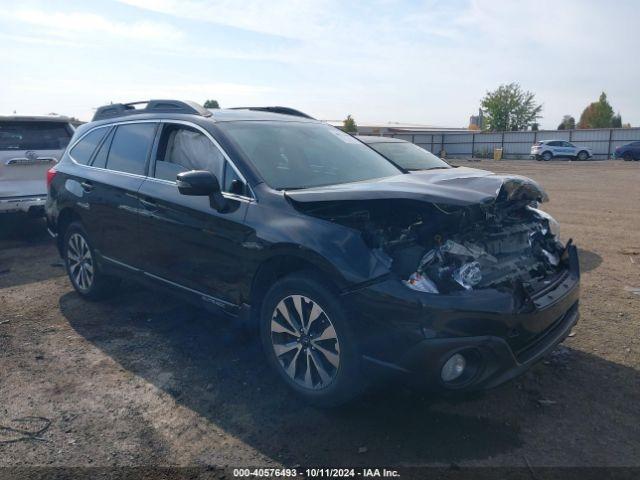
pixel 184 240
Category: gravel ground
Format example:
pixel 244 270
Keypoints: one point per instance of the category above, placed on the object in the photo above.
pixel 142 379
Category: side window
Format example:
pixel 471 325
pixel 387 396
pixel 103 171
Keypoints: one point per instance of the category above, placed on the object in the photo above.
pixel 553 144
pixel 567 144
pixel 100 158
pixel 182 148
pixel 130 147
pixel 83 150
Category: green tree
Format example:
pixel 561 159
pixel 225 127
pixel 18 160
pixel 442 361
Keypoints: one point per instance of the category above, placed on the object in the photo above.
pixel 597 115
pixel 616 121
pixel 568 123
pixel 510 108
pixel 211 104
pixel 349 125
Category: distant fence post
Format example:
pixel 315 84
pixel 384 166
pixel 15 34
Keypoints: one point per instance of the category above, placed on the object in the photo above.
pixel 473 144
pixel 609 144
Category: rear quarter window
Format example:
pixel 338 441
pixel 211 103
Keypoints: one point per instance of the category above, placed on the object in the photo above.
pixel 82 151
pixel 20 135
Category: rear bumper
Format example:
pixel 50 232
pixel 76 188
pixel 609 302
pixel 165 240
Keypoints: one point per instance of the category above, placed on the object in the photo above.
pixel 27 204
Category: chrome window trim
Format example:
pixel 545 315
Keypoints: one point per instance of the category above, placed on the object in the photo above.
pixel 231 196
pixel 251 198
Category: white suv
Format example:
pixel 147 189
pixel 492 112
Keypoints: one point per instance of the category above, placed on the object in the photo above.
pixel 29 146
pixel 548 149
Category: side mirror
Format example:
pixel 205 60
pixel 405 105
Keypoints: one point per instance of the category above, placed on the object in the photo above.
pixel 202 183
pixel 197 182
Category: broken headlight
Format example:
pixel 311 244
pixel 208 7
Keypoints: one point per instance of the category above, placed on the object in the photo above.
pixel 554 226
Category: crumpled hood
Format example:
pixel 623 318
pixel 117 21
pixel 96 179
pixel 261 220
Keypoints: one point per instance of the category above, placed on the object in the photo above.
pixel 456 186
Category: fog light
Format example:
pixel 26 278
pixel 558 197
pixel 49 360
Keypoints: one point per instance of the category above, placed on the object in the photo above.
pixel 453 368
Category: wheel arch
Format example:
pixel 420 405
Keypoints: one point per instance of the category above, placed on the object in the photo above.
pixel 283 264
pixel 65 218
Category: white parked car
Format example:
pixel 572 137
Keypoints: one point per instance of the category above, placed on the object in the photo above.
pixel 548 149
pixel 29 146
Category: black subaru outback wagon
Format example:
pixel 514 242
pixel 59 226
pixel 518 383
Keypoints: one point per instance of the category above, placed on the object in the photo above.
pixel 349 267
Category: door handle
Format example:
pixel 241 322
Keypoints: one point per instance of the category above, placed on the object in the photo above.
pixel 87 186
pixel 149 204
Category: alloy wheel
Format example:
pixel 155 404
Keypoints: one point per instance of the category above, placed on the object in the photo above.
pixel 80 262
pixel 305 342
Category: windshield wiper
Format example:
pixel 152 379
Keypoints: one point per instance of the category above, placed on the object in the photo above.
pixel 430 168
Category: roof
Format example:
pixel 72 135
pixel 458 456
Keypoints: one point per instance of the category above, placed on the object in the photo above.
pixel 151 108
pixel 35 118
pixel 368 139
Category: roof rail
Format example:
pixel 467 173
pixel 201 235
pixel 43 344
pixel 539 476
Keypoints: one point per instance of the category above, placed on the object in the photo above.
pixel 281 110
pixel 151 106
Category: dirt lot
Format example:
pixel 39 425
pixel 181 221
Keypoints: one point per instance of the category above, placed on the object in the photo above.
pixel 144 380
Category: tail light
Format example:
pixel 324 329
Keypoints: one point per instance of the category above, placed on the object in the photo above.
pixel 50 174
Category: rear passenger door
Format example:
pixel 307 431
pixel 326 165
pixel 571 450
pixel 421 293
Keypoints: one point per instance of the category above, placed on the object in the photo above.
pixel 569 149
pixel 183 239
pixel 111 189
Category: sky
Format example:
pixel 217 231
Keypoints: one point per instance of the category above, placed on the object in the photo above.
pixel 428 62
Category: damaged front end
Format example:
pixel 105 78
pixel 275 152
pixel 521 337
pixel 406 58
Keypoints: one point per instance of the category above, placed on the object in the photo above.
pixel 502 242
pixel 511 249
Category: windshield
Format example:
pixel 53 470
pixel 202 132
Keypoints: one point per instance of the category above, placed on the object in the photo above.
pixel 292 155
pixel 409 156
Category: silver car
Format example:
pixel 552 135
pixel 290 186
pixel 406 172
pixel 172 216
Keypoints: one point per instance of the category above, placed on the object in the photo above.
pixel 29 146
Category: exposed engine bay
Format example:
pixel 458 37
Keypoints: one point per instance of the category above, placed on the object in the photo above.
pixel 505 244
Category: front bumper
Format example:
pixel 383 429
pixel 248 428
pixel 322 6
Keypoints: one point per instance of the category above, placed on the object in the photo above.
pixel 411 335
pixel 28 204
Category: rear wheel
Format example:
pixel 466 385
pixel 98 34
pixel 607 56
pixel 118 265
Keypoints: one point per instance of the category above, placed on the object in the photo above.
pixel 546 156
pixel 84 272
pixel 627 157
pixel 582 155
pixel 308 341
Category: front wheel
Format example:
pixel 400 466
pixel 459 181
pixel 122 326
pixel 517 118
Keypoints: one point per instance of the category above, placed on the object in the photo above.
pixel 627 157
pixel 582 156
pixel 84 272
pixel 308 340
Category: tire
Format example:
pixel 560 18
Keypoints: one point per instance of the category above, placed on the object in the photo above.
pixel 582 156
pixel 546 156
pixel 627 157
pixel 83 270
pixel 323 371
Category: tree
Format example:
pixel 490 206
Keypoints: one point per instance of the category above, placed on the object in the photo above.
pixel 598 114
pixel 568 123
pixel 535 126
pixel 616 121
pixel 510 108
pixel 211 104
pixel 349 125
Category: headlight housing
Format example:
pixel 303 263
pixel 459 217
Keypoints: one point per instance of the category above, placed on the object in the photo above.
pixel 554 226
